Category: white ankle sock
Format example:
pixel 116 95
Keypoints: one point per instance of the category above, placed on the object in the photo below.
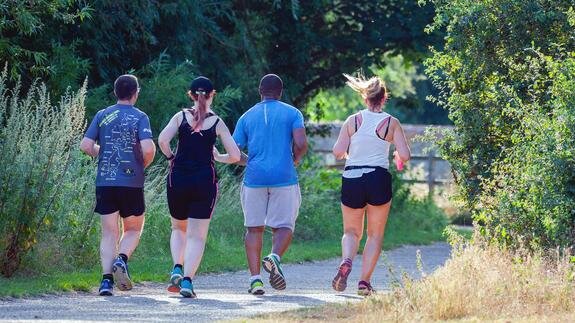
pixel 254 277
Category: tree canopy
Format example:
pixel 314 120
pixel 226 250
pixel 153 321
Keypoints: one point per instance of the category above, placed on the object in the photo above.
pixel 309 43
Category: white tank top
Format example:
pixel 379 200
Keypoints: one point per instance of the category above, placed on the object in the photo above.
pixel 365 147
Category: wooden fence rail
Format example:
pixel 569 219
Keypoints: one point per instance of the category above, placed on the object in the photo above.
pixel 425 167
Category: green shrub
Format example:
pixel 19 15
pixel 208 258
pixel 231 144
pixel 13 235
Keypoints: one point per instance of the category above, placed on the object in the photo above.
pixel 41 177
pixel 506 77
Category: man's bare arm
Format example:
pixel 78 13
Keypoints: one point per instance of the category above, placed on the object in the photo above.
pixel 299 144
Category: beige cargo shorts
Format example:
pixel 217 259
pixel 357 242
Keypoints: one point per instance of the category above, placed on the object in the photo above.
pixel 275 207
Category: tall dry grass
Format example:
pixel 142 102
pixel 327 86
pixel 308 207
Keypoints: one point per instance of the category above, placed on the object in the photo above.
pixel 480 282
pixel 485 282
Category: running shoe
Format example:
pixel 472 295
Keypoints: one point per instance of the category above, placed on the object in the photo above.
pixel 364 288
pixel 256 287
pixel 187 288
pixel 272 265
pixel 106 287
pixel 121 274
pixel 175 278
pixel 339 282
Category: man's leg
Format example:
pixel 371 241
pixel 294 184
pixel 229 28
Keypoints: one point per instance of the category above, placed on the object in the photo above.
pixel 109 242
pixel 283 209
pixel 253 243
pixel 133 226
pixel 281 240
pixel 254 205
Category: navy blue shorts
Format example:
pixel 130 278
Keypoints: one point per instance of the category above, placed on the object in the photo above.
pixel 192 201
pixel 372 188
pixel 127 200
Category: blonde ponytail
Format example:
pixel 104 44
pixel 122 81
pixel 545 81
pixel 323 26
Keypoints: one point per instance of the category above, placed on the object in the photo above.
pixel 372 89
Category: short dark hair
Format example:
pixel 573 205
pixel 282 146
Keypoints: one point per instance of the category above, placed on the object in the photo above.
pixel 125 86
pixel 271 85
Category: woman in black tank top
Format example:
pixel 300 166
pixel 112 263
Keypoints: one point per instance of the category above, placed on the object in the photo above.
pixel 192 184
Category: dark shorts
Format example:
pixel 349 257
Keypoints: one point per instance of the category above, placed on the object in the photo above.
pixel 192 202
pixel 372 188
pixel 128 200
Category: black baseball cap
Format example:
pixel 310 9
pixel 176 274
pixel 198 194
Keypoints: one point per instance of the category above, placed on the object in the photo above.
pixel 201 84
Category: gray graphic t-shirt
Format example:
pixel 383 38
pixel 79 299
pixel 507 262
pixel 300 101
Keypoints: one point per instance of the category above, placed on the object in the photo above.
pixel 118 129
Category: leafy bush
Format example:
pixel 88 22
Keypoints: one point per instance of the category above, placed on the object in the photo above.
pixel 164 86
pixel 41 175
pixel 506 77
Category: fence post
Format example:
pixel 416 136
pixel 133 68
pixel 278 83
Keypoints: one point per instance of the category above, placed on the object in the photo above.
pixel 430 177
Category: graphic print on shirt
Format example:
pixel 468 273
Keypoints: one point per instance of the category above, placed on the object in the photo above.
pixel 121 141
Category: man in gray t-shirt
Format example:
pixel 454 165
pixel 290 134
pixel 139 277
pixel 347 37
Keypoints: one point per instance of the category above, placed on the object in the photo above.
pixel 121 138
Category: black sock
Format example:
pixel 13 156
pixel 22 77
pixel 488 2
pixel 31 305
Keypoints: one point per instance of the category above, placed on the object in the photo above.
pixel 188 279
pixel 110 277
pixel 178 266
pixel 124 257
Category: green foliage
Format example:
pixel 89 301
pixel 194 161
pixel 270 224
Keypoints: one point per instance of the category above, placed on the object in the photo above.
pixel 309 43
pixel 41 173
pixel 163 93
pixel 31 41
pixel 407 101
pixel 506 77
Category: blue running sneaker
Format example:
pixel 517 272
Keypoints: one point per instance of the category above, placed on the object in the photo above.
pixel 175 279
pixel 187 288
pixel 121 274
pixel 106 287
pixel 272 265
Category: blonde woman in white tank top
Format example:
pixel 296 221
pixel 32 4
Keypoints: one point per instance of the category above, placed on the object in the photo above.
pixel 364 140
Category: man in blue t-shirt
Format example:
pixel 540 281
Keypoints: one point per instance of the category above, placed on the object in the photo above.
pixel 274 135
pixel 121 137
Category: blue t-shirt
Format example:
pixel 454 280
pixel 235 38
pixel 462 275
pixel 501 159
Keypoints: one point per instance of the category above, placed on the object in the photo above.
pixel 118 129
pixel 266 130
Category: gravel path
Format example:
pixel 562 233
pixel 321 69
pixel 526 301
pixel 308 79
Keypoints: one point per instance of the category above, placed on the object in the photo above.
pixel 222 296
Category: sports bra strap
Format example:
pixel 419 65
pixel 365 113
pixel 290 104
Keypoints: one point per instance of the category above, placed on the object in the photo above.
pixel 356 117
pixel 388 119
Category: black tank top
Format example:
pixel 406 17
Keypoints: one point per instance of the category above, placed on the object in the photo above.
pixel 194 162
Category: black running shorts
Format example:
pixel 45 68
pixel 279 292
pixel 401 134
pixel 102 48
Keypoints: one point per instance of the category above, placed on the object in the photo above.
pixel 372 188
pixel 193 201
pixel 128 200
